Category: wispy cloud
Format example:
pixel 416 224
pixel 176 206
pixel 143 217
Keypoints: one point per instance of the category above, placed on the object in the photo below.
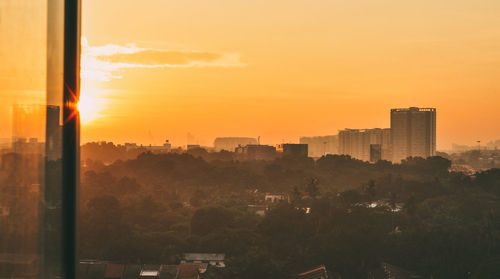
pixel 104 63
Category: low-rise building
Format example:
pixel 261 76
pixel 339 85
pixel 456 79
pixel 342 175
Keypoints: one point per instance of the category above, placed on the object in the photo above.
pixel 274 198
pixel 212 259
pixel 188 271
pixel 293 149
pixel 231 143
pixel 256 152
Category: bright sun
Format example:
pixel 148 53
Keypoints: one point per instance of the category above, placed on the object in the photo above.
pixel 91 106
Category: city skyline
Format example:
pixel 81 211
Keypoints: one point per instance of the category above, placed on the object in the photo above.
pixel 286 69
pixel 280 70
pixel 27 124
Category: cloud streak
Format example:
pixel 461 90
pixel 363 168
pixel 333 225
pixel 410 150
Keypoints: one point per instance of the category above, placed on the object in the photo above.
pixel 104 63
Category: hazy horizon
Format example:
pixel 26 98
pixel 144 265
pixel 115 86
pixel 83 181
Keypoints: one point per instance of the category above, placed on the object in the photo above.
pixel 285 69
pixel 279 70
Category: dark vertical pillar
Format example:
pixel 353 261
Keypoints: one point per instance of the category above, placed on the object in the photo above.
pixel 71 136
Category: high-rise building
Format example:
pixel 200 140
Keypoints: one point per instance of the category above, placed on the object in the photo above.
pixel 413 132
pixel 356 142
pixel 321 145
pixel 375 152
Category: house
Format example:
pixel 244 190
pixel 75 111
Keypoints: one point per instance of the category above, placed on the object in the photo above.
pixel 168 271
pixel 188 271
pixel 273 198
pixel 216 260
pixel 150 272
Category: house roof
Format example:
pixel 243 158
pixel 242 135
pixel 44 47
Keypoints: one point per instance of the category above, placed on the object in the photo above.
pixel 149 273
pixel 203 257
pixel 188 271
pixel 168 271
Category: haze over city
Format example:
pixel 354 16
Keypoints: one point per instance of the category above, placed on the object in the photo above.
pixel 285 69
pixel 281 69
pixel 263 139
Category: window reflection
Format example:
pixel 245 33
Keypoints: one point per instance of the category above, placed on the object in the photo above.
pixel 30 138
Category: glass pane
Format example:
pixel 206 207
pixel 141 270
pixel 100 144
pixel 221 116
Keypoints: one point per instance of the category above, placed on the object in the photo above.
pixel 31 72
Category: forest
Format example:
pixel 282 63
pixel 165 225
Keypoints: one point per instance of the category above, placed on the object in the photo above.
pixel 343 213
pixel 348 215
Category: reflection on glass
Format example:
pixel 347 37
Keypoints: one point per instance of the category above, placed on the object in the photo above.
pixel 31 43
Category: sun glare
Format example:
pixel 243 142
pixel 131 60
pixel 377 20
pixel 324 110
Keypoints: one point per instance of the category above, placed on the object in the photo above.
pixel 90 106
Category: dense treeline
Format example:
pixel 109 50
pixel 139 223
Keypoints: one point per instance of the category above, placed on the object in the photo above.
pixel 344 213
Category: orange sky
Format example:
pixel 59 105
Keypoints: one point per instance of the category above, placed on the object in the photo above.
pixel 160 69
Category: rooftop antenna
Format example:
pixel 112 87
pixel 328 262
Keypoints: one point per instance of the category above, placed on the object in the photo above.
pixel 258 140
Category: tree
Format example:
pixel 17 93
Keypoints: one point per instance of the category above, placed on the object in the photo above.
pixel 211 219
pixel 312 188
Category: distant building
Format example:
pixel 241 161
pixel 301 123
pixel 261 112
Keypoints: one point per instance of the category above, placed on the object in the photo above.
pixel 231 143
pixel 375 152
pixel 4 143
pixel 413 132
pixel 322 145
pixel 31 146
pixel 273 198
pixel 193 146
pixel 165 148
pixel 130 146
pixel 53 133
pixel 293 149
pixel 28 121
pixel 256 152
pixel 356 143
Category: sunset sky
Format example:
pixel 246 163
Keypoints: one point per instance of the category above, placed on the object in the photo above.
pixel 159 69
